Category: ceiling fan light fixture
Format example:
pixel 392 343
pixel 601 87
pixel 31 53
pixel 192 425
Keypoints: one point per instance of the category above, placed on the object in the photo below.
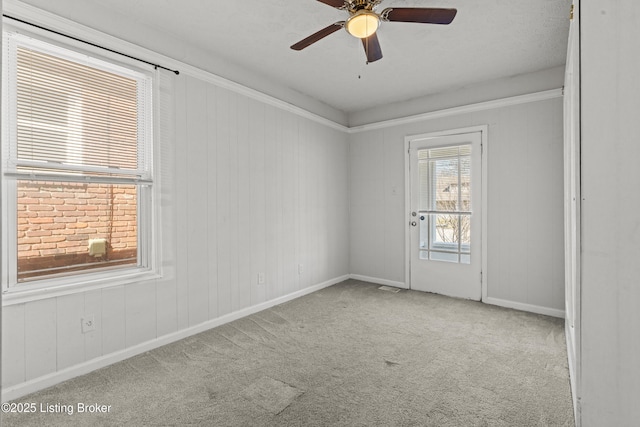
pixel 362 24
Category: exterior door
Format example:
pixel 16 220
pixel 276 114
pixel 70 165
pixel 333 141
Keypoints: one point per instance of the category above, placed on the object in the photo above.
pixel 445 214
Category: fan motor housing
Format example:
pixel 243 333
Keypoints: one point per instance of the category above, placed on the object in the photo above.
pixel 357 5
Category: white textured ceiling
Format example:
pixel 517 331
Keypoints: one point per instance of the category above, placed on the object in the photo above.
pixel 488 39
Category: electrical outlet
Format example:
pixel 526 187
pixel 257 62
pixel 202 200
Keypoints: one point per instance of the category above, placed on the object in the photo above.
pixel 260 278
pixel 300 269
pixel 88 324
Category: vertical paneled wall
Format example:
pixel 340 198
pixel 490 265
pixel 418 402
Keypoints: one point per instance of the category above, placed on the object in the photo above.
pixel 246 189
pixel 609 374
pixel 524 201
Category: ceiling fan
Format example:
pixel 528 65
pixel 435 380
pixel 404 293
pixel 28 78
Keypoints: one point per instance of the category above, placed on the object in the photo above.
pixel 363 22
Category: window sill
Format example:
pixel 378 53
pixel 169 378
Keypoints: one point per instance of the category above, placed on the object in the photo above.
pixel 59 287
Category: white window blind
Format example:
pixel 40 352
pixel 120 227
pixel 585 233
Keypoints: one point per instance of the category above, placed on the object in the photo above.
pixel 445 175
pixel 77 116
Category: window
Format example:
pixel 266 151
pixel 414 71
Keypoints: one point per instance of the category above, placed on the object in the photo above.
pixel 77 166
pixel 445 203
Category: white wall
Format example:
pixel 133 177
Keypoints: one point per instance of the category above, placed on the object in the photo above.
pixel 525 201
pixel 610 289
pixel 246 188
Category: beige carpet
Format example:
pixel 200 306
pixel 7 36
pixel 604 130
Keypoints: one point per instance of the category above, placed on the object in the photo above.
pixel 349 355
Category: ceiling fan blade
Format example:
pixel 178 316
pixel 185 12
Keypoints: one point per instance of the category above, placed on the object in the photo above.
pixel 334 3
pixel 317 36
pixel 372 48
pixel 419 14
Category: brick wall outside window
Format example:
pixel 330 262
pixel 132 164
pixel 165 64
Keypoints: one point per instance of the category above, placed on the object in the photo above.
pixel 57 220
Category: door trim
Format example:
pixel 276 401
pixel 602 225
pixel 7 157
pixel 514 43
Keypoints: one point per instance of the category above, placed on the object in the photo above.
pixel 483 130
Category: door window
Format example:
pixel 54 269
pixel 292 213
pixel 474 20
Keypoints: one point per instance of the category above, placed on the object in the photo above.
pixel 445 203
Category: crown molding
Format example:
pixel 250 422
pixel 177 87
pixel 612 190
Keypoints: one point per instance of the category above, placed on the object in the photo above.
pixel 465 109
pixel 48 20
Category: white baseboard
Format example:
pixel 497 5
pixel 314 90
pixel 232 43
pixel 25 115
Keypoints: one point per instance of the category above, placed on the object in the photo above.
pixel 22 389
pixel 494 301
pixel 36 384
pixel 378 281
pixel 553 312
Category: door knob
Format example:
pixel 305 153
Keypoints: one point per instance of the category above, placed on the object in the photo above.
pixel 413 223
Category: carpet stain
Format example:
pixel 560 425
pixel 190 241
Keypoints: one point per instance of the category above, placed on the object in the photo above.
pixel 390 363
pixel 213 395
pixel 271 395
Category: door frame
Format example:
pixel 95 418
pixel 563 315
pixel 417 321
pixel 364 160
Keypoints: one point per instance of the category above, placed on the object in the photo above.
pixel 572 210
pixel 483 130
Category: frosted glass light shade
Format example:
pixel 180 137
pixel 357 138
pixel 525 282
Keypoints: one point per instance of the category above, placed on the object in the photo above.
pixel 363 24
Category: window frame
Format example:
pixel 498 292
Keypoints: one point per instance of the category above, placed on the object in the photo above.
pixel 147 192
